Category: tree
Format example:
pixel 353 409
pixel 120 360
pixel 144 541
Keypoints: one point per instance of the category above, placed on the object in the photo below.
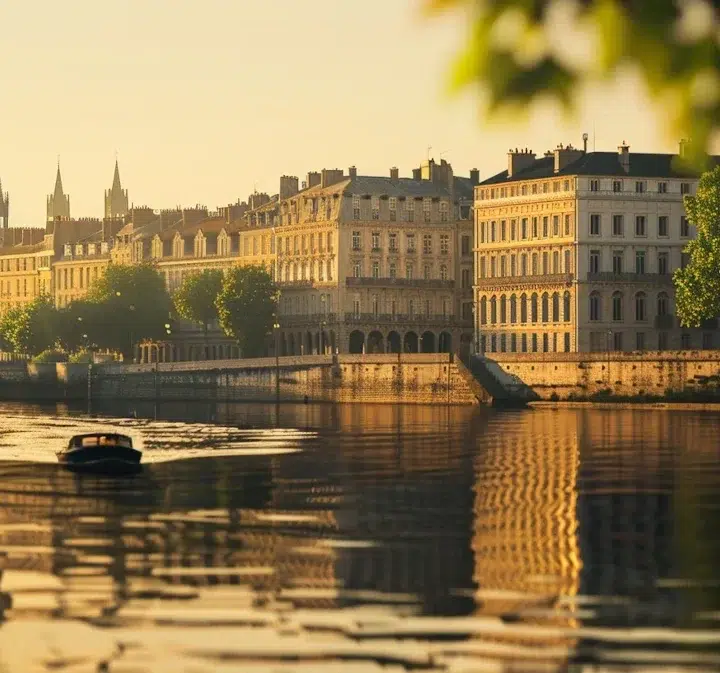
pixel 195 298
pixel 673 45
pixel 130 303
pixel 246 307
pixel 77 325
pixel 30 328
pixel 697 286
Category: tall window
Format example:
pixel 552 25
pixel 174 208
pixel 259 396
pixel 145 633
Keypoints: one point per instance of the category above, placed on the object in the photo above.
pixel 392 270
pixel 427 244
pixel 443 272
pixel 534 308
pixel 465 245
pixel 663 263
pixel 640 229
pixel 375 207
pixel 556 224
pixel 684 227
pixel 503 309
pixel 566 307
pixel 523 308
pixel 410 209
pixel 545 306
pixel 617 306
pixel 663 304
pixel 409 270
pixel 617 261
pixel 427 204
pixel 556 262
pixel 376 269
pixel 392 201
pixel 493 310
pixel 617 225
pixel 594 185
pixel 523 228
pixel 376 240
pixel 684 187
pixel 640 307
pixel 392 242
pixel 356 269
pixel 513 309
pixel 355 240
pixel 639 261
pixel 556 307
pixel 444 211
pixel 568 265
pixel 663 225
pixel 410 242
pixel 444 244
pixel 545 227
pixel 356 207
pixel 427 272
pixel 523 264
pixel 534 227
pixel 567 225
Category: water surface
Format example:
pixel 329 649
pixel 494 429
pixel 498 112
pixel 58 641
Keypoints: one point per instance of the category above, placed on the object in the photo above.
pixel 364 538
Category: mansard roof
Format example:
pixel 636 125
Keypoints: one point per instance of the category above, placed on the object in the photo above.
pixel 641 165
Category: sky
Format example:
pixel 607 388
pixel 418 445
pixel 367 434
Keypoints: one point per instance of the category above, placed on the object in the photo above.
pixel 204 102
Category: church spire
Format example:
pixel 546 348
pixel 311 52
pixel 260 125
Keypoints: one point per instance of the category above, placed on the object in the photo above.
pixel 58 193
pixel 4 208
pixel 116 178
pixel 116 198
pixel 58 203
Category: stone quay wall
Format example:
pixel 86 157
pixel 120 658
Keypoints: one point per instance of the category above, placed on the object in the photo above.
pixel 584 375
pixel 386 379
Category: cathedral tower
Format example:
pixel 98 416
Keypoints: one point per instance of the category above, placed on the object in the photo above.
pixel 116 198
pixel 58 204
pixel 4 208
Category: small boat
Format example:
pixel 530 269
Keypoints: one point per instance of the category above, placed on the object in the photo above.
pixel 101 452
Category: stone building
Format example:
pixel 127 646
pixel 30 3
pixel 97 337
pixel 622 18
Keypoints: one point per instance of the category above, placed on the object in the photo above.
pixel 575 250
pixel 78 266
pixel 58 203
pixel 25 272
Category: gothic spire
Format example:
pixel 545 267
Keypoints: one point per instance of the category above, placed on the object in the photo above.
pixel 116 178
pixel 58 193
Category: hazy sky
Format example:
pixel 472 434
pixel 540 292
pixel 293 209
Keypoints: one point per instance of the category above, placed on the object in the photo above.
pixel 206 100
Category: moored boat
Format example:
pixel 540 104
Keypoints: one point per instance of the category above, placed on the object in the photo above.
pixel 101 452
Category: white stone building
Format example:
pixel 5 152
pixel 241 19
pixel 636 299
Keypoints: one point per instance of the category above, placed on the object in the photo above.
pixel 575 250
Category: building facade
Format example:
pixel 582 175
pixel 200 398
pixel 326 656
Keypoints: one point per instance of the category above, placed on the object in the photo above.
pixel 575 251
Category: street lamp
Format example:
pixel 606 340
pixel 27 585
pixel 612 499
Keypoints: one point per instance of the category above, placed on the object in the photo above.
pixel 276 328
pixel 609 336
pixel 323 323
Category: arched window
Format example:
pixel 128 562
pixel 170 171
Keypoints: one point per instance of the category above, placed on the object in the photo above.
pixel 483 311
pixel 556 307
pixel 663 304
pixel 493 310
pixel 595 306
pixel 617 306
pixel 640 307
pixel 545 307
pixel 523 308
pixel 503 309
pixel 534 307
pixel 566 307
pixel 513 310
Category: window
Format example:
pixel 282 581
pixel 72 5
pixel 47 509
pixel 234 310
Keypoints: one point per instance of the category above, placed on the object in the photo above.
pixel 566 342
pixel 356 269
pixel 545 263
pixel 503 230
pixel 427 203
pixel 376 241
pixel 493 269
pixel 617 261
pixel 556 307
pixel 640 229
pixel 355 241
pixel 684 259
pixel 392 242
pixel 662 341
pixel 375 207
pixel 618 341
pixel 617 306
pixel 567 225
pixel 566 307
pixel 444 244
pixel 427 244
pixel 465 280
pixel 556 224
pixel 465 245
pixel 595 224
pixel 684 187
pixel 534 262
pixel 444 211
pixel 409 269
pixel 568 266
pixel 617 185
pixel 545 342
pixel 375 304
pixel 443 272
pixel 594 261
pixel 545 307
pixel 534 308
pixel 663 225
pixel 594 185
pixel 534 227
pixel 545 231
pixel 663 304
pixel 556 262
pixel 523 308
pixel 427 272
pixel 640 307
pixel 639 187
pixel 493 310
pixel 410 209
pixel 523 265
pixel 410 242
pixel 393 208
pixel 663 263
pixel 685 341
pixel 513 270
pixel 523 228
pixel 707 341
pixel 640 341
pixel 376 269
pixel 617 225
pixel 684 227
pixel 513 229
pixel 662 187
pixel 482 267
pixel 639 261
pixel 356 207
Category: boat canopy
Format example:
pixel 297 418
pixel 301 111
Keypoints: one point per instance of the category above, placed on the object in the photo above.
pixel 101 439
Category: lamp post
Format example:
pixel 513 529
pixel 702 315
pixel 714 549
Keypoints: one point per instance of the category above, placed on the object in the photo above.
pixel 323 323
pixel 609 336
pixel 276 328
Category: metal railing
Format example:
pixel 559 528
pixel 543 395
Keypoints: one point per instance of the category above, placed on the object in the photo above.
pixel 626 277
pixel 422 319
pixel 367 281
pixel 514 281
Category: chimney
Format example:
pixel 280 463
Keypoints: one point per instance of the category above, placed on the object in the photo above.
pixel 313 179
pixel 565 156
pixel 519 160
pixel 417 174
pixel 288 186
pixel 330 176
pixel 585 142
pixel 624 156
pixel 474 177
pixel 394 173
pixel 352 172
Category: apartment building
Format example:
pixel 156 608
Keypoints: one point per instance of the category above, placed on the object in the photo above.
pixel 575 250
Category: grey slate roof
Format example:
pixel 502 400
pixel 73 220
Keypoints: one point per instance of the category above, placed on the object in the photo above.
pixel 407 187
pixel 602 163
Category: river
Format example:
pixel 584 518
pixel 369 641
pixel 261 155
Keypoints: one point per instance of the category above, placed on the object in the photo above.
pixel 363 538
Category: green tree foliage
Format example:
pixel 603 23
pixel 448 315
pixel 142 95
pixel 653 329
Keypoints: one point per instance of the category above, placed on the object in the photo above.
pixel 29 328
pixel 697 286
pixel 246 307
pixel 673 45
pixel 77 325
pixel 128 304
pixel 195 298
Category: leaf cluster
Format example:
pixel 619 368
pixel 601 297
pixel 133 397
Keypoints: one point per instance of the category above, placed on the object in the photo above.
pixel 195 299
pixel 674 46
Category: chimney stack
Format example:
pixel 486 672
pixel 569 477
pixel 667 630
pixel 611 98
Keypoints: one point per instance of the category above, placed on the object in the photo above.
pixel 474 177
pixel 352 172
pixel 417 173
pixel 394 173
pixel 585 142
pixel 313 179
pixel 565 156
pixel 519 160
pixel 288 186
pixel 624 156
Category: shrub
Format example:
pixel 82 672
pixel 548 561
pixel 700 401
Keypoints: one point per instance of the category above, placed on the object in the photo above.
pixel 81 357
pixel 50 355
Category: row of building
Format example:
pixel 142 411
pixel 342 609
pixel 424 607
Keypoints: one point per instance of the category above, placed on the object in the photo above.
pixel 569 251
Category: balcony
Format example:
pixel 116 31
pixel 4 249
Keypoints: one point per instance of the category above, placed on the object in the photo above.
pixel 518 281
pixel 398 318
pixel 314 319
pixel 294 283
pixel 430 283
pixel 664 321
pixel 612 277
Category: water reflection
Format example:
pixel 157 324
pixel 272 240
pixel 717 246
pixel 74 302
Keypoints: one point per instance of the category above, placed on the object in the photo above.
pixel 542 538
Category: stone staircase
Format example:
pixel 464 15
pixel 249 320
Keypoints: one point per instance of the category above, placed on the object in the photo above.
pixel 491 385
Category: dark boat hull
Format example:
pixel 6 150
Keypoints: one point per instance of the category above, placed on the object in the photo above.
pixel 102 460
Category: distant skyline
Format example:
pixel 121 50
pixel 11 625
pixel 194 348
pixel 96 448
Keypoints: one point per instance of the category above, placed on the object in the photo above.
pixel 204 102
